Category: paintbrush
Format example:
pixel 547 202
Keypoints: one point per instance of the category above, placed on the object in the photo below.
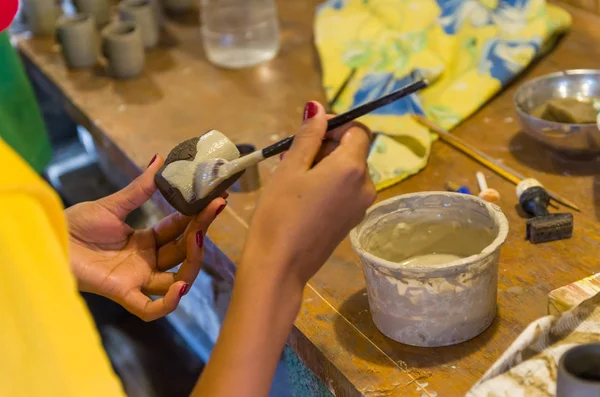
pixel 211 173
pixel 500 169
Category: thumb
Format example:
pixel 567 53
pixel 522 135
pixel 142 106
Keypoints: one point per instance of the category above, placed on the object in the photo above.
pixel 132 196
pixel 308 140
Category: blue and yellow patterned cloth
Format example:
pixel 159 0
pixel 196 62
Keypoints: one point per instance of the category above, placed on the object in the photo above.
pixel 477 45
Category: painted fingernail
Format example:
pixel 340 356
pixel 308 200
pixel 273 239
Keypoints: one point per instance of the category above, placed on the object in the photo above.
pixel 199 239
pixel 183 289
pixel 220 209
pixel 151 161
pixel 310 110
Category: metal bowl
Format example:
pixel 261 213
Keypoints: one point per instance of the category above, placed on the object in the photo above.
pixel 563 137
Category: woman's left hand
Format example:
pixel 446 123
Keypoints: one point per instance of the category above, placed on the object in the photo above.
pixel 111 259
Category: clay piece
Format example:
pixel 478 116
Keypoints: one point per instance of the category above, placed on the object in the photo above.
pixel 431 265
pixel 569 110
pixel 180 173
pixel 99 9
pixel 41 16
pixel 78 38
pixel 123 47
pixel 176 178
pixel 144 14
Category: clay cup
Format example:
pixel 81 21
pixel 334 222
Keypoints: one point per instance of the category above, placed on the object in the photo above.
pixel 143 13
pixel 122 45
pixel 78 38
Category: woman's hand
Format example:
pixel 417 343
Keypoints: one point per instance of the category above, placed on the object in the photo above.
pixel 111 259
pixel 307 209
pixel 320 191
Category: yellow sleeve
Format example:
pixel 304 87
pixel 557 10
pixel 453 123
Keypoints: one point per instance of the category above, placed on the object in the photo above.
pixel 48 341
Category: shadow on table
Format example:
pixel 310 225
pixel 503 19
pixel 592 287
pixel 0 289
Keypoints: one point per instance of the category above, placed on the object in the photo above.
pixel 534 155
pixel 167 39
pixel 92 79
pixel 141 90
pixel 159 60
pixel 186 17
pixel 356 310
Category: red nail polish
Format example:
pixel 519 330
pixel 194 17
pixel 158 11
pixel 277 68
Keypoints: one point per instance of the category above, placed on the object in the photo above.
pixel 199 239
pixel 151 161
pixel 221 208
pixel 183 290
pixel 310 110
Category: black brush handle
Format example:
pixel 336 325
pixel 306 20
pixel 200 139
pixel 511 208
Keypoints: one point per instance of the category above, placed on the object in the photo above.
pixel 278 147
pixel 340 120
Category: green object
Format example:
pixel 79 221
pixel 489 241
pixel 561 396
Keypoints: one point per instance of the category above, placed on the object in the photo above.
pixel 21 123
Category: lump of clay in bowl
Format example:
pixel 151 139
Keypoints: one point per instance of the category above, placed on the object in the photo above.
pixel 569 110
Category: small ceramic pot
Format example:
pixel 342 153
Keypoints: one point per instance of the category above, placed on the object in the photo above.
pixel 41 16
pixel 143 13
pixel 122 45
pixel 158 12
pixel 579 372
pixel 99 9
pixel 78 39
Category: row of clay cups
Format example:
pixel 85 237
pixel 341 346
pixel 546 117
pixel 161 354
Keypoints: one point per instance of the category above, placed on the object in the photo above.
pixel 123 42
pixel 42 15
pixel 140 10
pixel 122 45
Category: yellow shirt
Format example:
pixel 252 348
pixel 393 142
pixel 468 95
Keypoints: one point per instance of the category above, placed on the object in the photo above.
pixel 49 345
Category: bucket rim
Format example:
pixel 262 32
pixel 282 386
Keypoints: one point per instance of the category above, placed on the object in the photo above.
pixel 378 262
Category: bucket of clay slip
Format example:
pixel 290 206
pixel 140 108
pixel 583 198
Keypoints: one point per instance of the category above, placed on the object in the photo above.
pixel 431 266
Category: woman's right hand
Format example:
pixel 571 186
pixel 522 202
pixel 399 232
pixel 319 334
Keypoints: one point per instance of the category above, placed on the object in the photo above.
pixel 306 210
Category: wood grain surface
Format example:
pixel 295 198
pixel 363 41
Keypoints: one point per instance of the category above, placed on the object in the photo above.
pixel 587 5
pixel 181 95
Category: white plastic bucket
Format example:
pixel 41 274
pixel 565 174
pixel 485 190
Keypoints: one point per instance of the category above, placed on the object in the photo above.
pixel 440 304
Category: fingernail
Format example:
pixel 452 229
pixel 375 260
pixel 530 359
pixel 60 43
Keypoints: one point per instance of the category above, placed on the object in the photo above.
pixel 282 155
pixel 199 239
pixel 220 209
pixel 183 289
pixel 310 110
pixel 151 161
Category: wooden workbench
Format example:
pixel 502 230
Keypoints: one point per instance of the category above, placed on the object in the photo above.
pixel 181 95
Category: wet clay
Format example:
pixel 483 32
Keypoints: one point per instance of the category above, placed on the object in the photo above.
pixel 430 260
pixel 431 266
pixel 567 110
pixel 211 173
pixel 416 241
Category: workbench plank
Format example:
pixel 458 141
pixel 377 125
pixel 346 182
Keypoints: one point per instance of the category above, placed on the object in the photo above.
pixel 181 95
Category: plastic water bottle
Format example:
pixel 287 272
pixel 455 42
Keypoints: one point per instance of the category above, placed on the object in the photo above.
pixel 239 33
